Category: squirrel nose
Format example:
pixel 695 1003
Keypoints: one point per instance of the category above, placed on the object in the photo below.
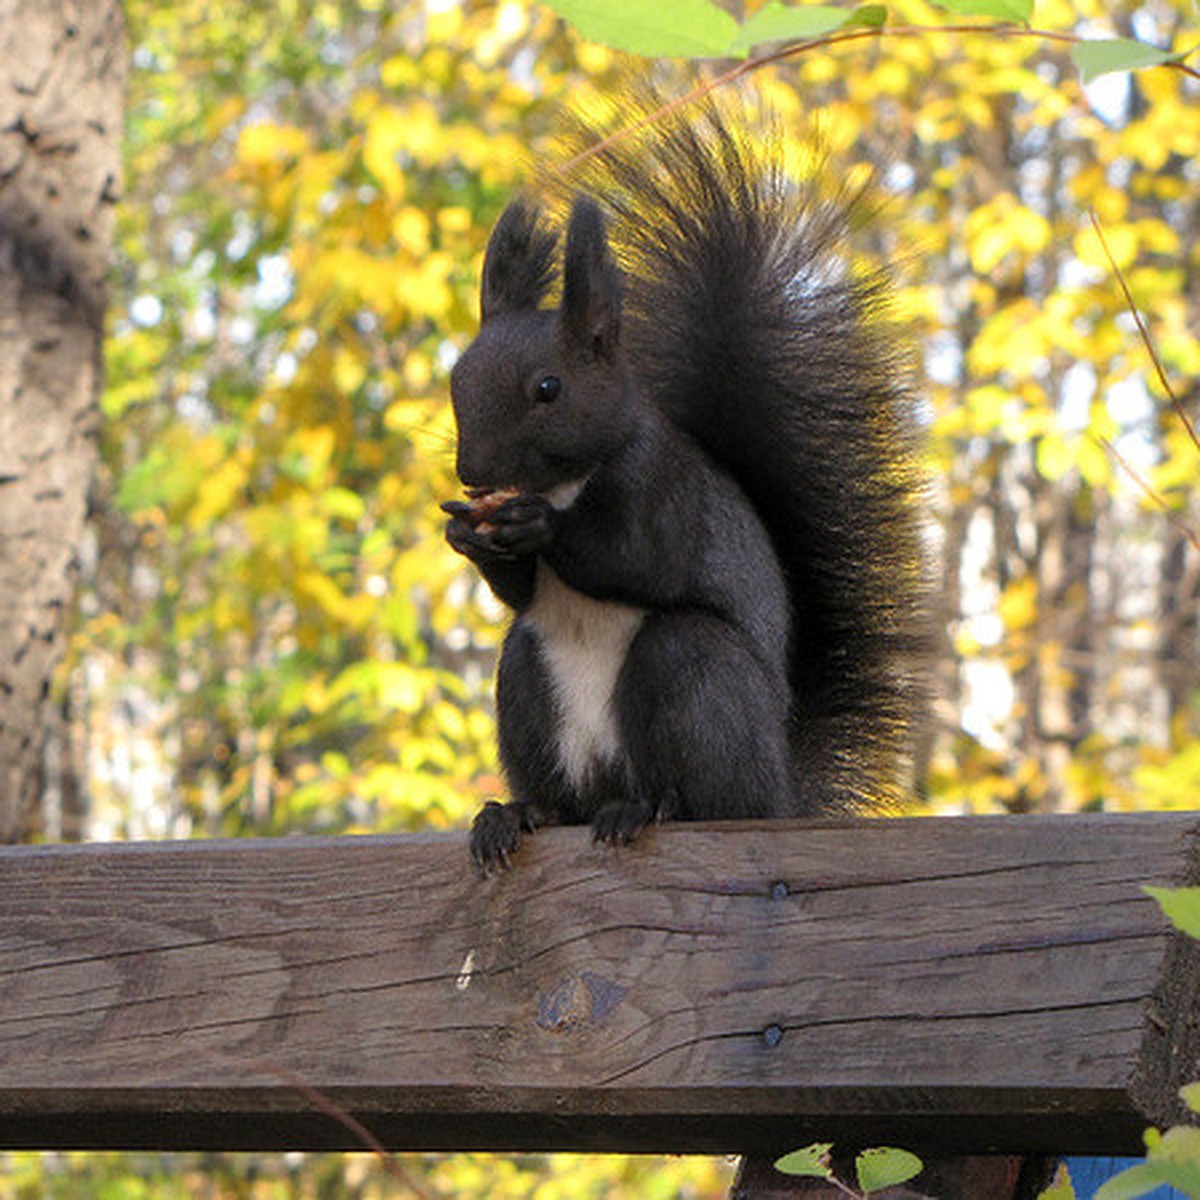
pixel 466 476
pixel 470 472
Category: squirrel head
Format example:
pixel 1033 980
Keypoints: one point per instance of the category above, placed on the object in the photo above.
pixel 541 397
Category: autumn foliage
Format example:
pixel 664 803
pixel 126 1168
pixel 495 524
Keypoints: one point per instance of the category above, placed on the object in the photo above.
pixel 272 636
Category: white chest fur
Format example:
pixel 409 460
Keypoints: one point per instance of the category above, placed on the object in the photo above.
pixel 584 643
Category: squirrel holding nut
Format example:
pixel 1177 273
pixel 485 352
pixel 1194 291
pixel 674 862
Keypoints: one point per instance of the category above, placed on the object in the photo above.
pixel 690 445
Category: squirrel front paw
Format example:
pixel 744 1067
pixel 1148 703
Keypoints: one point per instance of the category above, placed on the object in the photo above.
pixel 520 524
pixel 620 821
pixel 465 537
pixel 496 833
pixel 524 524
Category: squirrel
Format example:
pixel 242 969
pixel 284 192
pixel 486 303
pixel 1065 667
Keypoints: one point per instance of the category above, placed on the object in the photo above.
pixel 695 480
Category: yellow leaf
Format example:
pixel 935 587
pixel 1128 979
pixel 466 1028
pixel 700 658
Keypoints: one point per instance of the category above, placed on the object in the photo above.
pixel 401 687
pixel 314 446
pixel 397 71
pixel 349 371
pixel 223 115
pixel 410 228
pixel 594 58
pixel 1029 230
pixel 442 22
pixel 1157 237
pixel 1053 457
pixel 216 493
pixel 324 592
pixel 454 219
pixel 1122 243
pixel 1093 462
pixel 386 136
pixel 1018 605
pixel 987 406
pixel 1003 226
pixel 263 144
pixel 426 291
pixel 418 372
pixel 938 121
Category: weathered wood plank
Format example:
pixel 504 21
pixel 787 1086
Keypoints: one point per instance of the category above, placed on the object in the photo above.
pixel 957 986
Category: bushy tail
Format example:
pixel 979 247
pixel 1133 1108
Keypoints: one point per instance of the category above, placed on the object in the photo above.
pixel 754 325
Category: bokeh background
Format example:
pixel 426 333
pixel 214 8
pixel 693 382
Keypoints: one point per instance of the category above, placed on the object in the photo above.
pixel 269 636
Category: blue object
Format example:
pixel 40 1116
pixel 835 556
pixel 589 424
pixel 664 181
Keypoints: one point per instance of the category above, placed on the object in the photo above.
pixel 1087 1174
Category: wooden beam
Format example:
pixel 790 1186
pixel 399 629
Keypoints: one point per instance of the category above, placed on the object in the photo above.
pixel 951 985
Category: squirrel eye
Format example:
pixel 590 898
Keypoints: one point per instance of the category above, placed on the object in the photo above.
pixel 548 388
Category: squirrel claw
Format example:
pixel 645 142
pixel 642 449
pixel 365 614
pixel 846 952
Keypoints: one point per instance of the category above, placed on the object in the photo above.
pixel 474 542
pixel 495 835
pixel 523 525
pixel 619 823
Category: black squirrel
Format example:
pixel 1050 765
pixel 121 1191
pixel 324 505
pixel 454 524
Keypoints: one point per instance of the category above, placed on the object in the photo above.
pixel 695 481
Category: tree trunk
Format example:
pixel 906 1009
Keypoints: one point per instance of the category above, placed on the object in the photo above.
pixel 1179 605
pixel 62 71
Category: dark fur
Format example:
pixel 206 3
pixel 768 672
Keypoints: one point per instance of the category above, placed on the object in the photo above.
pixel 737 400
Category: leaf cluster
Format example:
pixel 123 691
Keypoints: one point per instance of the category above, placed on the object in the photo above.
pixel 703 29
pixel 874 1170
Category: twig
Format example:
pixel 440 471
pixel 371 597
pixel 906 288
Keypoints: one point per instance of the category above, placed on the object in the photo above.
pixel 1147 490
pixel 321 1102
pixel 835 38
pixel 1180 412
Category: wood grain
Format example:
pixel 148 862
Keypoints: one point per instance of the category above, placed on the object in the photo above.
pixel 954 986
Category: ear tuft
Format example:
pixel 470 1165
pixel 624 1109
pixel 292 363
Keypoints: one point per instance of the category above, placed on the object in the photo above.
pixel 591 303
pixel 518 268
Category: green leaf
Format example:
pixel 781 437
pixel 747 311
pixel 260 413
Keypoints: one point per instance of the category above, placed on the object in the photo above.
pixel 1060 1188
pixel 811 1161
pixel 777 22
pixel 680 29
pixel 342 503
pixel 1181 907
pixel 1177 1158
pixel 869 16
pixel 885 1167
pixel 1136 1181
pixel 1099 57
pixel 1001 10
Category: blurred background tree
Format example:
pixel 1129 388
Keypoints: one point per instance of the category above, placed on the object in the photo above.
pixel 61 92
pixel 269 635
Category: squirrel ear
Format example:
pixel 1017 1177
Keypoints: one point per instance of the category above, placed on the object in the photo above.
pixel 591 301
pixel 518 267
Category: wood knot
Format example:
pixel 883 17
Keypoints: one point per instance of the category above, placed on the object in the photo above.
pixel 583 999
